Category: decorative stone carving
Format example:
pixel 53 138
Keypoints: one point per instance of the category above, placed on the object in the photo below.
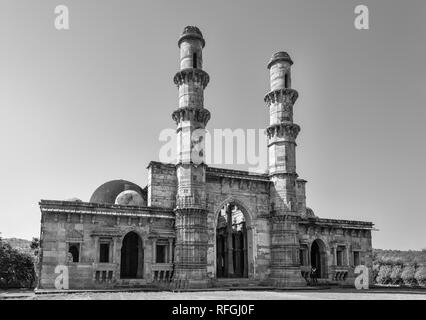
pixel 289 131
pixel 201 115
pixel 186 76
pixel 285 96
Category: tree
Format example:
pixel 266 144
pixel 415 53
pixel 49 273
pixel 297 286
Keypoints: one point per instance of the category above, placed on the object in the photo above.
pixel 35 245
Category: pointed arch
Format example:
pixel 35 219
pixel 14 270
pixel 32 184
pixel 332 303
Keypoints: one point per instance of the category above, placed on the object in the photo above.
pixel 241 242
pixel 132 256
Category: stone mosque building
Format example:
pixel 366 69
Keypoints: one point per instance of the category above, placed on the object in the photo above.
pixel 196 226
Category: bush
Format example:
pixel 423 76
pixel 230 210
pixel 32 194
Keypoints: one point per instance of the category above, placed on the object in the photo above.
pixel 396 274
pixel 408 275
pixel 420 275
pixel 16 268
pixel 384 275
pixel 376 268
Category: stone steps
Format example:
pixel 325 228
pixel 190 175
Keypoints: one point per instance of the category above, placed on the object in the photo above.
pixel 235 282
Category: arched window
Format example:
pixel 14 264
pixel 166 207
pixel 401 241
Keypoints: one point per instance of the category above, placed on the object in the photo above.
pixel 194 60
pixel 74 249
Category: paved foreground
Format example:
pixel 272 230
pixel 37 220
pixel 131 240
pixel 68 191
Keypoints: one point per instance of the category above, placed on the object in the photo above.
pixel 332 294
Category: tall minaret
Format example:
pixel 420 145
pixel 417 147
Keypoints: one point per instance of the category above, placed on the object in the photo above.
pixel 282 133
pixel 191 117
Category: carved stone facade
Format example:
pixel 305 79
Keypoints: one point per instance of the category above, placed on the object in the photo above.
pixel 194 224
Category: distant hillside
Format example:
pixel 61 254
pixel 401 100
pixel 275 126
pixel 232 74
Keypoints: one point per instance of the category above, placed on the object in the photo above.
pixel 399 256
pixel 19 244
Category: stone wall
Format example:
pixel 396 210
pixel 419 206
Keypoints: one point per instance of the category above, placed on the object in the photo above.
pixel 350 236
pixel 62 224
pixel 251 194
pixel 162 185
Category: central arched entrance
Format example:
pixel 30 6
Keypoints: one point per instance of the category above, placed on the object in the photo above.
pixel 231 243
pixel 131 257
pixel 319 258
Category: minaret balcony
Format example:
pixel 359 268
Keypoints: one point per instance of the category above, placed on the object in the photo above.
pixel 192 114
pixel 286 96
pixel 188 75
pixel 288 131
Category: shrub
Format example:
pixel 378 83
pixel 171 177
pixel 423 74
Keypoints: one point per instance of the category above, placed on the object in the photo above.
pixel 16 268
pixel 396 274
pixel 420 275
pixel 408 275
pixel 376 268
pixel 384 275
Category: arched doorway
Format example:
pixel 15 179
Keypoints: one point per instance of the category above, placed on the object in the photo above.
pixel 131 257
pixel 231 243
pixel 319 258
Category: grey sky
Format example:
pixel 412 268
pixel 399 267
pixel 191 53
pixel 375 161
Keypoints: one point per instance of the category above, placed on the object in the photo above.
pixel 84 106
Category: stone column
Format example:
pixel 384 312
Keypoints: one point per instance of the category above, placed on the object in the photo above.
pixel 154 251
pixel 96 249
pixel 114 248
pixel 229 240
pixel 335 254
pixel 347 255
pixel 170 250
pixel 245 235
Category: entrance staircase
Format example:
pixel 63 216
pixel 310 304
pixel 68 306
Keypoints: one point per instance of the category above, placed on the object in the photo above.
pixel 134 284
pixel 236 283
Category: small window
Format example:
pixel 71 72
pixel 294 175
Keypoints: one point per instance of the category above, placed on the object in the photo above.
pixel 356 258
pixel 74 250
pixel 339 257
pixel 286 80
pixel 161 253
pixel 194 60
pixel 104 253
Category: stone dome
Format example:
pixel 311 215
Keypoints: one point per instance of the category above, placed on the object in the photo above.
pixel 130 198
pixel 108 192
pixel 280 56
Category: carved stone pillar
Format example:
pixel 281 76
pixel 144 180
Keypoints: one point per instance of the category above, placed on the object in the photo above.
pixel 245 271
pixel 96 249
pixel 154 250
pixel 170 251
pixel 347 255
pixel 229 241
pixel 285 265
pixel 335 255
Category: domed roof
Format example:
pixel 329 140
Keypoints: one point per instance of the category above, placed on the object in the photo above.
pixel 74 200
pixel 130 198
pixel 280 56
pixel 192 32
pixel 108 192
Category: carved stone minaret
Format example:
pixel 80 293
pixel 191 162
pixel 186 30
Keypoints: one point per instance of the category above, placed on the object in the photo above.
pixel 191 117
pixel 282 133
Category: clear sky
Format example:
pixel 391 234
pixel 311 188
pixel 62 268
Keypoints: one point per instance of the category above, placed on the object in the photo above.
pixel 87 105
